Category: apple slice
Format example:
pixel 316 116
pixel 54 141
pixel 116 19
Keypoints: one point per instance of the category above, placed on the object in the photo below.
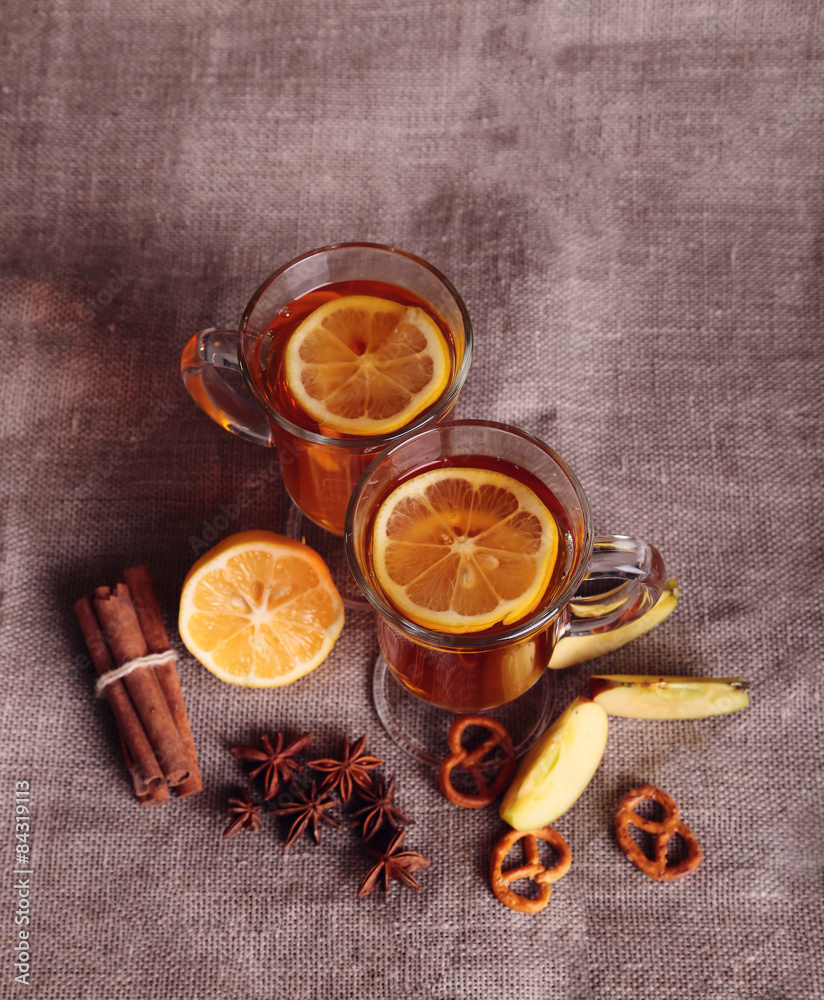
pixel 555 772
pixel 635 696
pixel 574 649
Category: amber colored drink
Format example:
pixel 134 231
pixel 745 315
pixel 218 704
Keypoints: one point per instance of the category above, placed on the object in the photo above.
pixel 430 608
pixel 321 465
pixel 318 476
pixel 472 680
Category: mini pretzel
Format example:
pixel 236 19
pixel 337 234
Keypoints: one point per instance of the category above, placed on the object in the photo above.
pixel 471 762
pixel 534 869
pixel 656 867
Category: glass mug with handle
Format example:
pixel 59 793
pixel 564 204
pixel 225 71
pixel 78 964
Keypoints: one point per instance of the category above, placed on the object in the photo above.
pixel 471 540
pixel 344 350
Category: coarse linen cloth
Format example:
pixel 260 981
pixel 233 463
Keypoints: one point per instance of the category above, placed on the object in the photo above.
pixel 628 195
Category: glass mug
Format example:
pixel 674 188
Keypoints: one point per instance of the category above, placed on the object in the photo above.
pixel 475 671
pixel 319 469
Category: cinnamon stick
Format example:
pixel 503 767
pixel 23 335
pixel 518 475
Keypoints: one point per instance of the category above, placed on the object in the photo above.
pixel 141 762
pixel 157 795
pixel 154 632
pixel 117 616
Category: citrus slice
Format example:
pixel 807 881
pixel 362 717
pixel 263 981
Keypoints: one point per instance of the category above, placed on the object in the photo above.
pixel 363 365
pixel 463 549
pixel 260 610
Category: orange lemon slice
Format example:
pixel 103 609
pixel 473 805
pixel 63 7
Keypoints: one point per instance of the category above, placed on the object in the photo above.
pixel 463 549
pixel 260 610
pixel 365 365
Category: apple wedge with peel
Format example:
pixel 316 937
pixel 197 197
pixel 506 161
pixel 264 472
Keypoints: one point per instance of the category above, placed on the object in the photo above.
pixel 639 697
pixel 574 649
pixel 555 772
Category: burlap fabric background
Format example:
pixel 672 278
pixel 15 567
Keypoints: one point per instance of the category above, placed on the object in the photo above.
pixel 628 195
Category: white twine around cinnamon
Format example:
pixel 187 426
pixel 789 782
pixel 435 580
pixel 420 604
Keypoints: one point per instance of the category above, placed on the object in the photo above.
pixel 151 660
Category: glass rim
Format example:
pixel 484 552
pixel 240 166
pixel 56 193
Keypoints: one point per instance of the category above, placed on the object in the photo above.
pixel 367 442
pixel 471 641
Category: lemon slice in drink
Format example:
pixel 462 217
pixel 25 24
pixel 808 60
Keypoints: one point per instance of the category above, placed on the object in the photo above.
pixel 463 549
pixel 260 610
pixel 365 365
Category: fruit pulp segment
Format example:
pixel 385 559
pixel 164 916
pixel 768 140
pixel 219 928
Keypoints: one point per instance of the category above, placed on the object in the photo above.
pixel 575 649
pixel 556 771
pixel 259 607
pixel 651 697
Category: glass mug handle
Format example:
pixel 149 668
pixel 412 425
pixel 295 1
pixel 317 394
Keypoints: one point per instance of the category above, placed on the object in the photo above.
pixel 203 357
pixel 640 569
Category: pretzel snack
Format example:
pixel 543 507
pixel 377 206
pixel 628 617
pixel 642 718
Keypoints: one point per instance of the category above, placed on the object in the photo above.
pixel 487 793
pixel 664 830
pixel 540 874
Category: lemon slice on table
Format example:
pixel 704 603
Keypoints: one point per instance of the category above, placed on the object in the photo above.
pixel 463 549
pixel 260 610
pixel 365 365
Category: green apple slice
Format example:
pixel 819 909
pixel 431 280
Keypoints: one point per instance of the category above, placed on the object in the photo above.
pixel 635 696
pixel 574 649
pixel 555 772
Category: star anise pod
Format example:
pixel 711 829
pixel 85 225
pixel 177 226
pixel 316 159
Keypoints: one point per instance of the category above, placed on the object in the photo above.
pixel 246 813
pixel 312 807
pixel 393 863
pixel 349 771
pixel 275 763
pixel 379 809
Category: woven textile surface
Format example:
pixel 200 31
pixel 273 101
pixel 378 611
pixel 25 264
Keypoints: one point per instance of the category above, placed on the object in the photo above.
pixel 628 196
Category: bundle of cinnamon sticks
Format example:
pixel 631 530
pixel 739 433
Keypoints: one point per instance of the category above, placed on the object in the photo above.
pixel 120 626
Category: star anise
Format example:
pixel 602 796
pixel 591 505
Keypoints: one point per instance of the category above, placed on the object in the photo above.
pixel 349 771
pixel 393 863
pixel 246 813
pixel 313 806
pixel 379 809
pixel 276 762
